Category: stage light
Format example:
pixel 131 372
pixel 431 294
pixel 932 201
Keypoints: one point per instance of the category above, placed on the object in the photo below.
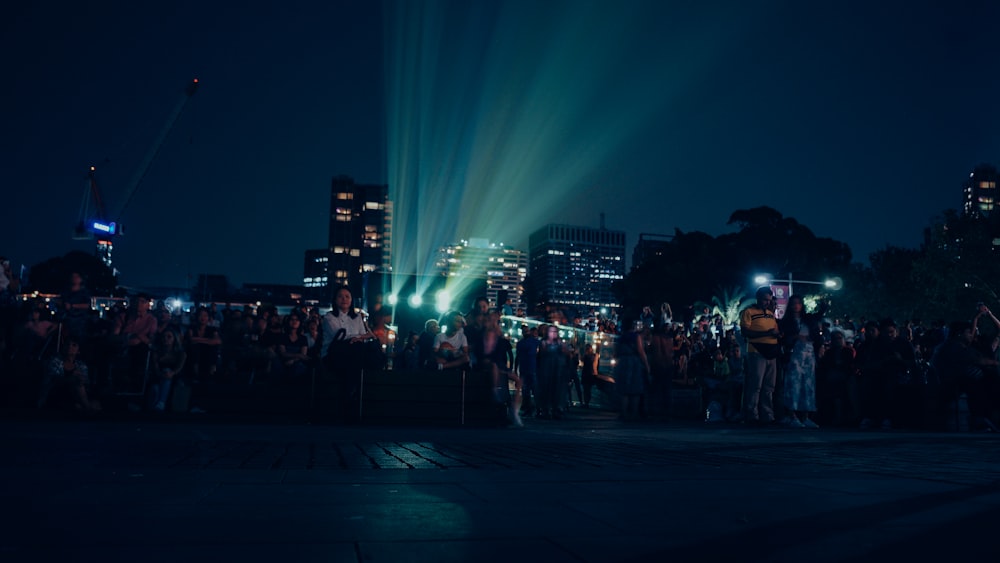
pixel 416 300
pixel 442 301
pixel 393 299
pixel 470 157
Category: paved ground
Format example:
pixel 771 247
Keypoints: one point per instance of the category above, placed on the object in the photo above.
pixel 586 489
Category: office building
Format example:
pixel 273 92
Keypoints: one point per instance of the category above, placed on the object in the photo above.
pixel 576 266
pixel 359 239
pixel 503 268
pixel 980 192
pixel 649 247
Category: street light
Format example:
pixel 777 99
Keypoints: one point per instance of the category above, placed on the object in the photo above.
pixel 833 284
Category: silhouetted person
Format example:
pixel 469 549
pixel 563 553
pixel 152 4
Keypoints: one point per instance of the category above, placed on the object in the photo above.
pixel 760 329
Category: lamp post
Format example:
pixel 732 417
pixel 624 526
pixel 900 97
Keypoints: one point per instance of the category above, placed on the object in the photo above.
pixel 833 284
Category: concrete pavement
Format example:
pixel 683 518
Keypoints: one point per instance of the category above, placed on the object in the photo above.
pixel 584 489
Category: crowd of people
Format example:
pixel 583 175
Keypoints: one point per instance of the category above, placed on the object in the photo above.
pixel 803 370
pixel 143 349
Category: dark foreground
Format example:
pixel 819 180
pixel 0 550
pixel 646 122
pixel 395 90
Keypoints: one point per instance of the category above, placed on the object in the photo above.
pixel 583 489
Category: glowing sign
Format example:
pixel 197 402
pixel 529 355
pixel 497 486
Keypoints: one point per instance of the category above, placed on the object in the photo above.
pixel 108 228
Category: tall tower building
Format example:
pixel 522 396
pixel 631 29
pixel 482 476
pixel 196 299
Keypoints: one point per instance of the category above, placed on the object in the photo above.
pixel 359 237
pixel 502 267
pixel 980 192
pixel 571 265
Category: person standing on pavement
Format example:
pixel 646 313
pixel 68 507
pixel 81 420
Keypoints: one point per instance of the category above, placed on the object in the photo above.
pixel 760 329
pixel 801 334
pixel 631 371
pixel 526 366
pixel 552 357
pixel 345 335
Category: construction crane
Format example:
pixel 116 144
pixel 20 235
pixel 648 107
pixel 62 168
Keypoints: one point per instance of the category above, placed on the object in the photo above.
pixel 96 223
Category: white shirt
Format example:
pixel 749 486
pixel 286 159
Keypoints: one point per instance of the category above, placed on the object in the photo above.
pixel 458 341
pixel 333 325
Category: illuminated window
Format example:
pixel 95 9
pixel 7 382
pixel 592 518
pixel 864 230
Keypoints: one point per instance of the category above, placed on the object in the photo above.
pixel 987 185
pixel 374 205
pixel 344 195
pixel 355 252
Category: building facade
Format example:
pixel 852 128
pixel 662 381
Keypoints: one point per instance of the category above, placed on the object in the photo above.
pixel 980 192
pixel 576 266
pixel 359 240
pixel 503 268
pixel 649 247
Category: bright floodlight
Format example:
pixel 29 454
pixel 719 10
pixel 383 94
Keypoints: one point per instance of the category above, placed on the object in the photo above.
pixel 442 301
pixel 393 299
pixel 834 283
pixel 416 301
pixel 761 280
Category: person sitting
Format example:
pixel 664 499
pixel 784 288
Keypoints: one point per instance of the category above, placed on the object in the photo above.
pixel 68 368
pixel 203 343
pixel 232 333
pixel 451 348
pixel 255 354
pixel 139 330
pixel 269 341
pixel 425 345
pixel 37 331
pixel 168 361
pixel 313 338
pixel 293 350
pixel 75 302
pixel 963 369
pixel 410 355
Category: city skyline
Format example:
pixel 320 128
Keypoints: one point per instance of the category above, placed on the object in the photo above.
pixel 861 122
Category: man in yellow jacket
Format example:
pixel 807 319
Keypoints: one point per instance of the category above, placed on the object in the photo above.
pixel 760 329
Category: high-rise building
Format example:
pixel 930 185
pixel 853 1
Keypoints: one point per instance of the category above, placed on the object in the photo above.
pixel 649 247
pixel 576 266
pixel 316 272
pixel 980 192
pixel 502 267
pixel 359 237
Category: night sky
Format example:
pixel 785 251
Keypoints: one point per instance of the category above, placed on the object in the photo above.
pixel 859 119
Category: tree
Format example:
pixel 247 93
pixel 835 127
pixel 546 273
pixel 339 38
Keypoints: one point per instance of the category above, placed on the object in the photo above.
pixel 728 304
pixel 959 265
pixel 766 242
pixel 52 275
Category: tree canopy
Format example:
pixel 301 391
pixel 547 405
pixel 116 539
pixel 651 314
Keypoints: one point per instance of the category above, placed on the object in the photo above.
pixel 958 265
pixel 52 275
pixel 766 243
